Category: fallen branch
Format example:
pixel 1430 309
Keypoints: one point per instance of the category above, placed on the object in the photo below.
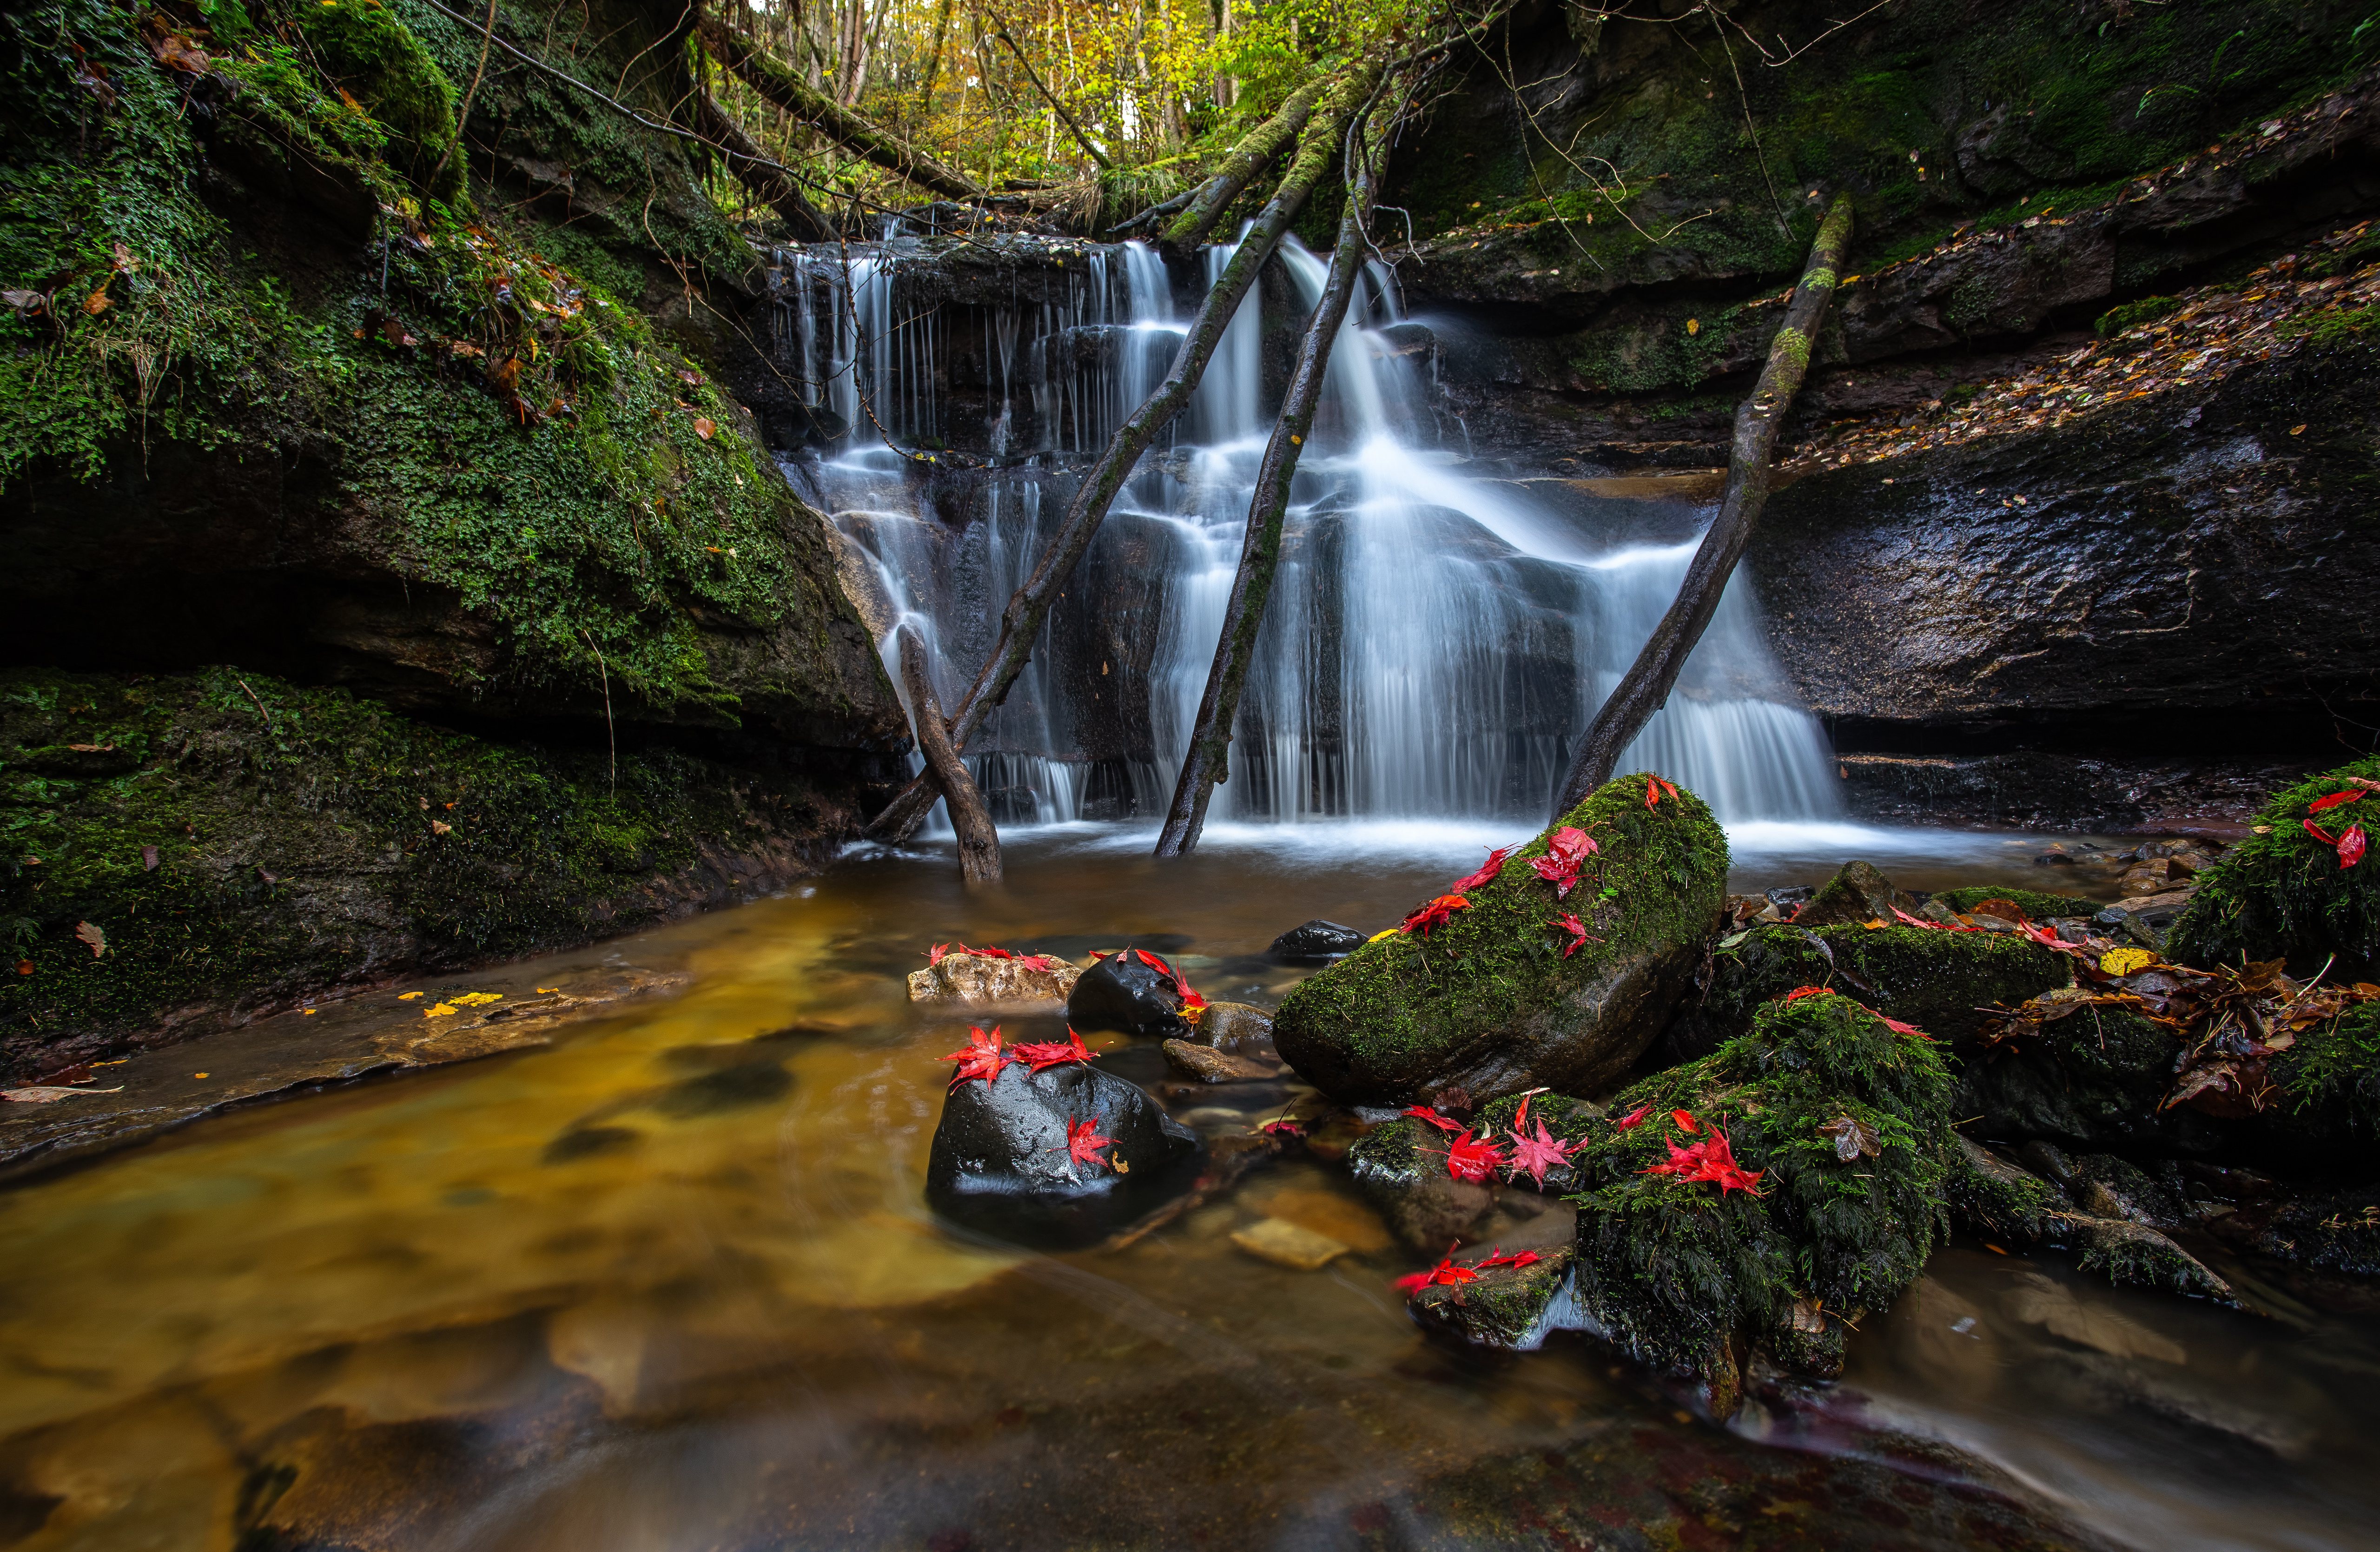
pixel 978 842
pixel 781 84
pixel 1021 622
pixel 1207 759
pixel 1646 686
pixel 1251 156
pixel 762 178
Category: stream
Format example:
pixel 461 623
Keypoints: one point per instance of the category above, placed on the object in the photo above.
pixel 670 1283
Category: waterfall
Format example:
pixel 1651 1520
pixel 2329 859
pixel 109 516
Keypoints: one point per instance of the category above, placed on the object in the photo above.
pixel 1435 636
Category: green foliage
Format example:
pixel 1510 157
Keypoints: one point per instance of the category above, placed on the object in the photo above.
pixel 2132 314
pixel 2335 1068
pixel 2281 894
pixel 1672 1268
pixel 370 53
pixel 298 855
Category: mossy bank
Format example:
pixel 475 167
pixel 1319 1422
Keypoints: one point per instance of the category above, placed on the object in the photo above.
pixel 187 851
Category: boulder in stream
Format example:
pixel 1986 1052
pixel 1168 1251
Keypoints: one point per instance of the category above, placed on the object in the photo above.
pixel 1014 983
pixel 1316 940
pixel 1858 893
pixel 1558 971
pixel 1131 990
pixel 1065 1155
pixel 1767 1193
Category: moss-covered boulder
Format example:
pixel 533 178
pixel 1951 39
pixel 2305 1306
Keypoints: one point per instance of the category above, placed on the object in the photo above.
pixel 2282 893
pixel 1938 979
pixel 1501 996
pixel 2332 1075
pixel 1857 893
pixel 2039 905
pixel 2092 1079
pixel 1844 1121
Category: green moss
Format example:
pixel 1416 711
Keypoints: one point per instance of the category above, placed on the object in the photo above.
pixel 2132 314
pixel 372 55
pixel 2330 326
pixel 1406 1011
pixel 2038 904
pixel 1990 1196
pixel 300 855
pixel 2281 894
pixel 1939 981
pixel 2334 1069
pixel 1672 1269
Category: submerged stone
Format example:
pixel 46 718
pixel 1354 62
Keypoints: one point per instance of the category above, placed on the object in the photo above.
pixel 1316 940
pixel 1844 1122
pixel 1499 996
pixel 1000 1160
pixel 1236 1026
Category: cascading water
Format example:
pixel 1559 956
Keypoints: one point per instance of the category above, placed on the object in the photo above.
pixel 1434 638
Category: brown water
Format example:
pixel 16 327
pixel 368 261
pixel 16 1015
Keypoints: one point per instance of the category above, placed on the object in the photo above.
pixel 670 1284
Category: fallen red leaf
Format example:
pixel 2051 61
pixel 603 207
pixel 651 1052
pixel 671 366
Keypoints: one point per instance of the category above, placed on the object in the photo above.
pixel 1686 1120
pixel 1898 1028
pixel 1535 1155
pixel 1568 922
pixel 1798 993
pixel 1423 1114
pixel 2335 799
pixel 1632 1119
pixel 1470 1158
pixel 1509 1258
pixel 2351 847
pixel 1710 1161
pixel 982 1058
pixel 1487 874
pixel 1653 788
pixel 1053 1052
pixel 1083 1143
pixel 1435 913
pixel 1446 1271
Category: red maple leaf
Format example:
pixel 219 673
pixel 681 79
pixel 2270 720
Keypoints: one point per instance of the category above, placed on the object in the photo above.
pixel 1282 1129
pixel 982 1058
pixel 1632 1119
pixel 1710 1161
pixel 1424 1113
pixel 1898 1028
pixel 934 955
pixel 2355 796
pixel 1655 787
pixel 1568 922
pixel 1798 993
pixel 2351 847
pixel 1083 1143
pixel 1487 874
pixel 1470 1158
pixel 1681 1162
pixel 1446 1271
pixel 1686 1120
pixel 1511 1258
pixel 1539 1154
pixel 1053 1052
pixel 1435 913
pixel 1931 926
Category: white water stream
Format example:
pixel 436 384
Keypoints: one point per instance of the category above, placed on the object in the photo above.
pixel 1434 638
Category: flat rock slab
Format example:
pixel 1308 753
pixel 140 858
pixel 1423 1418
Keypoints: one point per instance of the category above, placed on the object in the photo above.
pixel 1286 1245
pixel 376 1033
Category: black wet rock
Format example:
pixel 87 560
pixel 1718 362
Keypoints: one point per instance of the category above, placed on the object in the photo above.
pixel 1990 1196
pixel 1125 991
pixel 1317 940
pixel 2135 1255
pixel 2108 1187
pixel 1513 1309
pixel 1000 1163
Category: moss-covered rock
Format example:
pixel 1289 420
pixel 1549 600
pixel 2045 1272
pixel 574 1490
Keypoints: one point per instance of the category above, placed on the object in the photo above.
pixel 1940 980
pixel 239 843
pixel 1513 1309
pixel 2038 904
pixel 1856 895
pixel 1991 1197
pixel 2092 1079
pixel 1681 1272
pixel 1490 1001
pixel 2282 894
pixel 2332 1074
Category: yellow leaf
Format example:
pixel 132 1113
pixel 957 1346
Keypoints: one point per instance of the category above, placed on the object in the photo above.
pixel 474 999
pixel 407 996
pixel 441 1010
pixel 2123 961
pixel 544 990
pixel 1390 933
pixel 98 301
pixel 1693 325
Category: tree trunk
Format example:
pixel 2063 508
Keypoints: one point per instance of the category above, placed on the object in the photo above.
pixel 1251 156
pixel 1073 129
pixel 1208 760
pixel 768 185
pixel 1021 622
pixel 1645 688
pixel 978 842
pixel 782 85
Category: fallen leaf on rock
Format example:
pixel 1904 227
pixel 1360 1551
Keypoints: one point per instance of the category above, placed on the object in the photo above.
pixel 1435 913
pixel 1798 993
pixel 982 1058
pixel 1445 1272
pixel 98 301
pixel 1428 1117
pixel 704 427
pixel 2351 847
pixel 2353 795
pixel 28 304
pixel 1655 789
pixel 2123 961
pixel 1568 922
pixel 1686 1120
pixel 1083 1143
pixel 1632 1119
pixel 1535 1155
pixel 24 967
pixel 92 937
pixel 439 1010
pixel 407 996
pixel 1853 1138
pixel 1508 1258
pixel 1471 1158
pixel 476 1000
pixel 1053 1052
pixel 1487 874
pixel 148 859
pixel 439 827
pixel 43 1095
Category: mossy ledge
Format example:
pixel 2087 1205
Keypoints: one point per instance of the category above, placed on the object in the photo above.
pixel 2282 894
pixel 241 844
pixel 1488 1000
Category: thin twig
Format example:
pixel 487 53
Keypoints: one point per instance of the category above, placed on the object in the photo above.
pixel 610 732
pixel 463 115
pixel 259 705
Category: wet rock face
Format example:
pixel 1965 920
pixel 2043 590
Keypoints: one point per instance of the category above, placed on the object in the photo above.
pixel 1001 1163
pixel 1125 992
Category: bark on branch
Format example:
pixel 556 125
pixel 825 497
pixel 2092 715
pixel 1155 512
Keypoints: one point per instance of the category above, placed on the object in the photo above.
pixel 763 179
pixel 783 85
pixel 1646 686
pixel 1251 156
pixel 1208 760
pixel 1021 622
pixel 978 842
